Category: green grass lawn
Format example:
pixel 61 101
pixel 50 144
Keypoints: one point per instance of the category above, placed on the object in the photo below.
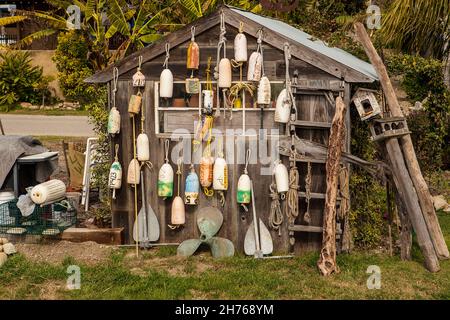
pixel 158 274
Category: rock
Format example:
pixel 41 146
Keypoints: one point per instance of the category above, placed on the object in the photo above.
pixel 25 105
pixel 3 258
pixel 9 248
pixel 447 210
pixel 439 202
pixel 3 240
pixel 1 248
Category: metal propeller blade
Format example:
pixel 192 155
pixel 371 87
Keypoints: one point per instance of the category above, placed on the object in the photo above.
pixel 209 221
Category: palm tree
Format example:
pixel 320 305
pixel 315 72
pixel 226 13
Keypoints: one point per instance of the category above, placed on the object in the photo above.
pixel 418 27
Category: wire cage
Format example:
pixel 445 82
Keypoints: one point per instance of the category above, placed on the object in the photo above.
pixel 47 220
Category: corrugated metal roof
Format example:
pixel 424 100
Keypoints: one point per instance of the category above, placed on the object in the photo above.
pixel 305 39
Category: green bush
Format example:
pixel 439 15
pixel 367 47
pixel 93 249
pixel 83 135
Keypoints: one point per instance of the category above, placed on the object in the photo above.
pixel 20 81
pixel 368 196
pixel 71 58
pixel 423 80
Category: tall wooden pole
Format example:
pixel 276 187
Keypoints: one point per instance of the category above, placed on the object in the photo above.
pixel 327 260
pixel 425 199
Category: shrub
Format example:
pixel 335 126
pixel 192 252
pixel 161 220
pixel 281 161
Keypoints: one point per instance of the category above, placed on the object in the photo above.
pixel 71 58
pixel 20 81
pixel 423 80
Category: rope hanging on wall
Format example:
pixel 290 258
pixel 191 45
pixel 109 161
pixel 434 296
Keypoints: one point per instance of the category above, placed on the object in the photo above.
pixel 308 181
pixel 276 214
pixel 292 195
pixel 166 60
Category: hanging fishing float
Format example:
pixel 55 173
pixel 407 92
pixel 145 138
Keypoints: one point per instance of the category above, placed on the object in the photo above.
pixel 178 213
pixel 281 178
pixel 254 67
pixel 285 99
pixel 142 142
pixel 114 115
pixel 240 46
pixel 244 185
pixel 115 174
pixel 220 176
pixel 165 176
pixel 166 78
pixel 138 78
pixel 192 188
pixel 192 63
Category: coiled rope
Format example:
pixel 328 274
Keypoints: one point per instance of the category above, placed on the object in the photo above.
pixel 292 195
pixel 276 214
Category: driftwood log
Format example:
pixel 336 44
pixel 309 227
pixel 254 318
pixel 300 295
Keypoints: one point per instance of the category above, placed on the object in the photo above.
pixel 327 260
pixel 410 184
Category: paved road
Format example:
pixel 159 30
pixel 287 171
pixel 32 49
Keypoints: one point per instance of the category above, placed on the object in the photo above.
pixel 68 126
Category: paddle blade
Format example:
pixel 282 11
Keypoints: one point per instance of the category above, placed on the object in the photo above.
pixel 250 240
pixel 209 221
pixel 188 247
pixel 221 247
pixel 266 239
pixel 153 225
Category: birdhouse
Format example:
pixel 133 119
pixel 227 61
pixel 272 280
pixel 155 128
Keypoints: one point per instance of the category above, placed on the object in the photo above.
pixel 138 79
pixel 381 129
pixel 366 103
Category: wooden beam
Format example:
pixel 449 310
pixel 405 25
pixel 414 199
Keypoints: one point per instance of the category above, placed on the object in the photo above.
pixel 103 236
pixel 421 187
pixel 327 260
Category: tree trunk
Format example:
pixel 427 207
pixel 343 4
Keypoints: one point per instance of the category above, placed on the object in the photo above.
pixel 423 193
pixel 405 229
pixel 327 260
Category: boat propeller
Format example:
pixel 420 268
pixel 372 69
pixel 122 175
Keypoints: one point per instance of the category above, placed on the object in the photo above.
pixel 209 221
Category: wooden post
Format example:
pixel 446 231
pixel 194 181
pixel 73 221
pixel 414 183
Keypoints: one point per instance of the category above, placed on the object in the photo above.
pixel 423 193
pixel 327 260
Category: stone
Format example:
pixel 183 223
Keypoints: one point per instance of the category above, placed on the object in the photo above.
pixel 9 248
pixel 1 248
pixel 3 240
pixel 3 258
pixel 439 202
pixel 25 105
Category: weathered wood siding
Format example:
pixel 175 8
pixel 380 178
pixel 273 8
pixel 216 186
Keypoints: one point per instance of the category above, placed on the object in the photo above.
pixel 312 107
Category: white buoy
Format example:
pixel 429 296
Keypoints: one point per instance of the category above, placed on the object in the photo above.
pixel 220 174
pixel 240 48
pixel 254 67
pixel 178 213
pixel 114 121
pixel 166 84
pixel 224 73
pixel 283 107
pixel 48 192
pixel 143 147
pixel 115 174
pixel 281 177
pixel 264 91
pixel 165 181
pixel 133 173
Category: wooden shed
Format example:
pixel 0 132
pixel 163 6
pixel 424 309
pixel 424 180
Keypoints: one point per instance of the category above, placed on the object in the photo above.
pixel 321 73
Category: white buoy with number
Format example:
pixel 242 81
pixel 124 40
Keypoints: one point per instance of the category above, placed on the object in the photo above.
pixel 283 107
pixel 220 174
pixel 48 192
pixel 281 177
pixel 115 174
